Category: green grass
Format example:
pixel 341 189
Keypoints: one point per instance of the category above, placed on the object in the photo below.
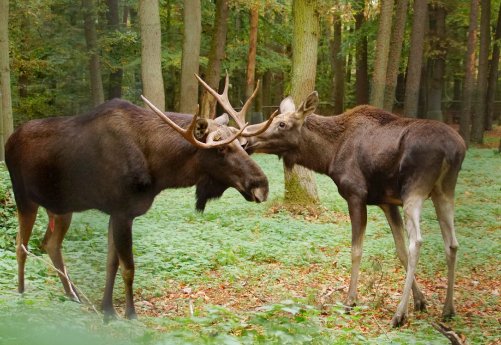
pixel 255 274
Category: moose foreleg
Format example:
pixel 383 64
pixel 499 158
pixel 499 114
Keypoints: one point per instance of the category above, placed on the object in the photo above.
pixel 412 212
pixel 122 238
pixel 397 229
pixel 111 273
pixel 358 216
pixel 26 219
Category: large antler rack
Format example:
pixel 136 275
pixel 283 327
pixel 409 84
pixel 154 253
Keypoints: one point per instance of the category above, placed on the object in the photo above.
pixel 188 133
pixel 238 116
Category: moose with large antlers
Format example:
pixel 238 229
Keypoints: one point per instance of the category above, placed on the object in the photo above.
pixel 116 159
pixel 375 158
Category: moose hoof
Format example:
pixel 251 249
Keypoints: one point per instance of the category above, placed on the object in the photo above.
pixel 349 304
pixel 420 305
pixel 131 315
pixel 398 320
pixel 448 314
pixel 110 315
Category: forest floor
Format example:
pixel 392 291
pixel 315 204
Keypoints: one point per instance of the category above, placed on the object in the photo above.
pixel 244 273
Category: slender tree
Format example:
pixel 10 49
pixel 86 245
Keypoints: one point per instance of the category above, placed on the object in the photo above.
pixel 397 38
pixel 216 55
pixel 338 63
pixel 413 78
pixel 493 74
pixel 151 57
pixel 96 82
pixel 7 126
pixel 469 75
pixel 382 49
pixel 300 184
pixel 362 76
pixel 192 16
pixel 251 56
pixel 116 73
pixel 478 121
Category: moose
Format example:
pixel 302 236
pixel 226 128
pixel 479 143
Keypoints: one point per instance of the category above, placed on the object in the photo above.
pixel 116 159
pixel 374 158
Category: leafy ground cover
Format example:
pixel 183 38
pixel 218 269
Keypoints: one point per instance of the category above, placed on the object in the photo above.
pixel 243 273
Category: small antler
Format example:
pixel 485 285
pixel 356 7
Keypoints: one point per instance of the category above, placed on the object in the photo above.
pixel 188 133
pixel 238 116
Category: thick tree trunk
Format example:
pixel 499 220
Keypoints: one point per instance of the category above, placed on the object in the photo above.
pixel 251 56
pixel 300 184
pixel 338 64
pixel 382 49
pixel 216 55
pixel 151 54
pixel 415 58
pixel 96 82
pixel 493 74
pixel 469 75
pixel 192 15
pixel 7 126
pixel 362 77
pixel 397 38
pixel 436 64
pixel 478 123
pixel 116 73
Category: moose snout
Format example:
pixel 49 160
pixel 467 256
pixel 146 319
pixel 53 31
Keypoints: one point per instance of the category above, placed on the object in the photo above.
pixel 259 194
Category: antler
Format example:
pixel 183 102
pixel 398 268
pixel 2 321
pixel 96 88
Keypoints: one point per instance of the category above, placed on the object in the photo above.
pixel 188 133
pixel 239 116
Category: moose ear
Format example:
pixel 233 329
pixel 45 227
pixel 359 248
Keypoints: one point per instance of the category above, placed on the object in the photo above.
pixel 222 120
pixel 287 105
pixel 309 105
pixel 201 128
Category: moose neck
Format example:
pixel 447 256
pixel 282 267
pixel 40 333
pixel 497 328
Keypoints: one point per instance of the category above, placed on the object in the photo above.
pixel 320 137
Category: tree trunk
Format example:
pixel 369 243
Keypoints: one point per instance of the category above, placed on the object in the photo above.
pixel 493 74
pixel 436 64
pixel 6 102
pixel 300 185
pixel 478 123
pixel 251 56
pixel 415 59
pixel 116 73
pixel 362 77
pixel 96 82
pixel 191 56
pixel 151 55
pixel 397 38
pixel 216 55
pixel 469 75
pixel 338 64
pixel 382 49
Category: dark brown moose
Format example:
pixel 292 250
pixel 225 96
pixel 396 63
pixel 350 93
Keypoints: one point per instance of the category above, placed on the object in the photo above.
pixel 376 158
pixel 116 159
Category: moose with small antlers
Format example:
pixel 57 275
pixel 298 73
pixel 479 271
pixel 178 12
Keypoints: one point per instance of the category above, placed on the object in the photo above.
pixel 116 159
pixel 375 158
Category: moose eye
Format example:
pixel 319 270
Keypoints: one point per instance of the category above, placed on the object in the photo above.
pixel 281 124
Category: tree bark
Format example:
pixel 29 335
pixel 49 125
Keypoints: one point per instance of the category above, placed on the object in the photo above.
pixel 251 56
pixel 96 82
pixel 382 49
pixel 436 64
pixel 413 78
pixel 469 75
pixel 338 64
pixel 361 73
pixel 216 55
pixel 151 54
pixel 7 126
pixel 300 184
pixel 116 73
pixel 191 56
pixel 397 38
pixel 493 74
pixel 478 123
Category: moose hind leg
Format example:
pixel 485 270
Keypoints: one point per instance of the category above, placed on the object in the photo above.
pixel 397 229
pixel 111 272
pixel 26 218
pixel 444 207
pixel 58 228
pixel 122 238
pixel 412 211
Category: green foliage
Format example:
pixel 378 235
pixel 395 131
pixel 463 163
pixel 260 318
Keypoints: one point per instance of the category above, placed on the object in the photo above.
pixel 8 219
